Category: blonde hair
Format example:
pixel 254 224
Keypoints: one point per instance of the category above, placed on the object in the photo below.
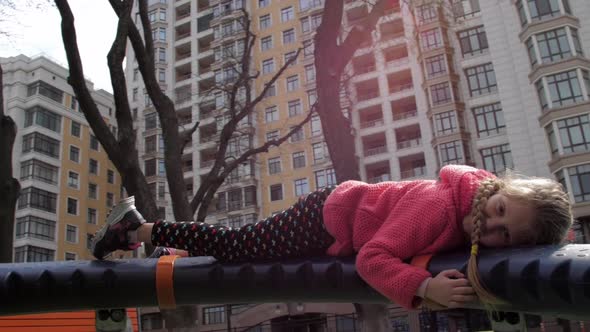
pixel 552 221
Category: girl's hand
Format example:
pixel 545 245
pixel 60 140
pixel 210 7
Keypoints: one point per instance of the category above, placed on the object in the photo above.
pixel 451 289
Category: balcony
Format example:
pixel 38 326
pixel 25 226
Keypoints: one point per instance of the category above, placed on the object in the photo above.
pixel 374 144
pixel 367 90
pixel 410 143
pixel 182 31
pixel 371 117
pixel 404 108
pixel 183 11
pixel 183 51
pixel 395 55
pixel 408 137
pixel 412 166
pixel 392 30
pixel 400 81
pixel 363 64
pixel 380 178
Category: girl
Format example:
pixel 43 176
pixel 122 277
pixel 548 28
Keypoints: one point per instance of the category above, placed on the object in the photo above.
pixel 384 224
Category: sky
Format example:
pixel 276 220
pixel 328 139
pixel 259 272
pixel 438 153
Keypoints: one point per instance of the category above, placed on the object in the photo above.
pixel 34 32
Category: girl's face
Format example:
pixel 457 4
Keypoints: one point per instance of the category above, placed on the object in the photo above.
pixel 507 222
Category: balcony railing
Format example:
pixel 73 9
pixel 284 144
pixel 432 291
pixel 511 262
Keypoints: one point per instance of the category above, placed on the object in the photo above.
pixel 405 115
pixel 364 69
pixel 372 123
pixel 414 172
pixel 366 95
pixel 380 178
pixel 411 143
pixel 401 87
pixel 376 150
pixel 207 163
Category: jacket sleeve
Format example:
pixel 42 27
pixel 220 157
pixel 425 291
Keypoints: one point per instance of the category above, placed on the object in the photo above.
pixel 408 232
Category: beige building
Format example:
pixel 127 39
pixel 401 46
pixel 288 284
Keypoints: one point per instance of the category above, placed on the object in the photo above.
pixel 68 183
pixel 495 84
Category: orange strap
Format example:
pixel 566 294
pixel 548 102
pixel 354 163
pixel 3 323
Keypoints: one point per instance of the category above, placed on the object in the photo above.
pixel 421 261
pixel 165 282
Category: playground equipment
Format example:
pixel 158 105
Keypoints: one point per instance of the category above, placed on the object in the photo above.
pixel 552 280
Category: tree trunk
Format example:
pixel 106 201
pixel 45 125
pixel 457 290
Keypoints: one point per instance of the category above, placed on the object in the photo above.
pixel 9 186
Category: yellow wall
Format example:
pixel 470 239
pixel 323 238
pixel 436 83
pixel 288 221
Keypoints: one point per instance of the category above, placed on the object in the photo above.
pixel 285 151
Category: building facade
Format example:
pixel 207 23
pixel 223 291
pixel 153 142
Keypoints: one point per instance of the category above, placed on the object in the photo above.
pixel 495 84
pixel 68 184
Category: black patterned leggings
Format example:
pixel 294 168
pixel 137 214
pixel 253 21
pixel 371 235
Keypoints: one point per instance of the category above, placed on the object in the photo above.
pixel 296 232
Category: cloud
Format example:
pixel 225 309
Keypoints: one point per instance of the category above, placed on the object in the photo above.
pixel 33 32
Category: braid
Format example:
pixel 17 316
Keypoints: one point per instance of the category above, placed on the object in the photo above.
pixel 486 189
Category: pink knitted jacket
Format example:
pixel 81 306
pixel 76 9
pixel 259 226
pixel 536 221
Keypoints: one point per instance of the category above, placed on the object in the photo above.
pixel 389 222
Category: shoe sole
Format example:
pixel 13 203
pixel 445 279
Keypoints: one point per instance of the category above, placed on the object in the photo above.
pixel 116 214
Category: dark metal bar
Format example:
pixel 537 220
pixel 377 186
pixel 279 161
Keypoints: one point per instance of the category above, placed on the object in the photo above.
pixel 545 280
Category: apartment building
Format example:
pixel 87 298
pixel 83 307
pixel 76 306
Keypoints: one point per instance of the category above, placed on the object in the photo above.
pixel 495 84
pixel 68 183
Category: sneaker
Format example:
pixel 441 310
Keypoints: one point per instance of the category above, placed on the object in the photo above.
pixel 113 236
pixel 162 251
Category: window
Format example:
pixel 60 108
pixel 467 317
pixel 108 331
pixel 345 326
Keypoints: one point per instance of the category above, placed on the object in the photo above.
pixel 489 120
pixel 497 158
pixel 161 167
pixel 70 256
pixel 290 55
pixel 268 66
pixel 440 94
pixel 151 144
pixel 214 315
pixel 445 123
pixel 75 129
pixel 531 51
pixel 151 121
pixel 574 133
pixel 542 9
pixel 576 39
pixel 580 180
pixel 135 94
pixel 33 254
pixel 73 180
pixel 294 107
pixel 72 206
pixel 451 153
pixel 40 143
pixel 292 83
pixel 135 74
pixel 93 166
pixel 564 88
pixel 91 216
pixel 152 321
pixel 150 167
pixel 473 41
pixel 110 176
pixel 274 165
pixel 271 114
pixel 325 178
pixel 298 135
pixel 276 192
pixel 465 8
pixel 46 90
pixel 272 135
pixel 310 73
pixel 43 118
pixel 93 143
pixel 308 48
pixel 38 170
pixel 316 125
pixel 110 199
pixel 553 45
pixel 266 43
pixel 427 13
pixel 265 21
pixel 161 75
pixel 263 3
pixel 71 234
pixel 73 103
pixel 35 227
pixel 92 191
pixel 431 39
pixel 298 159
pixel 287 14
pixel 541 93
pixel 289 36
pixel 74 154
pixel 481 79
pixel 301 187
pixel 161 54
pixel 320 152
pixel 38 199
pixel 436 66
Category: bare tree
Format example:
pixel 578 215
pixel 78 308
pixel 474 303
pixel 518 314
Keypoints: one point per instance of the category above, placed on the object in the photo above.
pixel 241 103
pixel 9 186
